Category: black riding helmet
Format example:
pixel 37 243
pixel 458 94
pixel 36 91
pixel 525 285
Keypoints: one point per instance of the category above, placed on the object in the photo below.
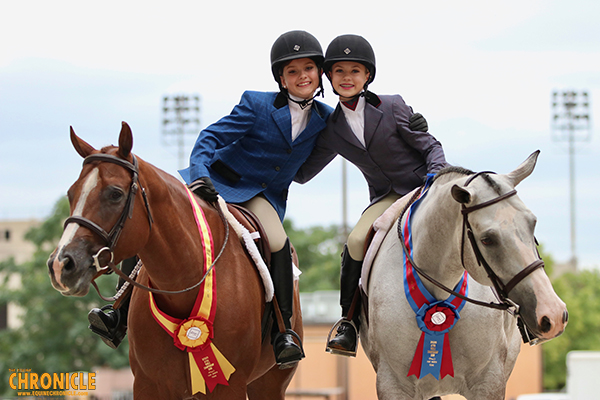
pixel 292 45
pixel 350 48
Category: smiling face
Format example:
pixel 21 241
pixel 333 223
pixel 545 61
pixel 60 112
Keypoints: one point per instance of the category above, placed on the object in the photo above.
pixel 301 78
pixel 348 78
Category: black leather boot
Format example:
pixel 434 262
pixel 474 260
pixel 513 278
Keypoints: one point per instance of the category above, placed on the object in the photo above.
pixel 287 351
pixel 346 339
pixel 108 323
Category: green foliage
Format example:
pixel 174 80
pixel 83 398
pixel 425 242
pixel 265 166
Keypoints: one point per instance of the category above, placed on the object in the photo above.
pixel 54 336
pixel 580 291
pixel 319 251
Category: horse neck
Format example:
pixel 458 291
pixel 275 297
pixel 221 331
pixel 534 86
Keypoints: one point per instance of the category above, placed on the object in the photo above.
pixel 437 230
pixel 172 256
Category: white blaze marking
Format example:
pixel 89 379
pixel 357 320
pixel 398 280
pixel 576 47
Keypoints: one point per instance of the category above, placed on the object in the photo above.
pixel 70 229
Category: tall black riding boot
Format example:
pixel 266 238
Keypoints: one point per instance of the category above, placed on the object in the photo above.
pixel 346 338
pixel 108 323
pixel 287 352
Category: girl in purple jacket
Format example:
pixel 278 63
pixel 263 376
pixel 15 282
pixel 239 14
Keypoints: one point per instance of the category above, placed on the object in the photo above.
pixel 381 136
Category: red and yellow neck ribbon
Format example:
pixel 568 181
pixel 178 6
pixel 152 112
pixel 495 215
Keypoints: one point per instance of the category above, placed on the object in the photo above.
pixel 208 367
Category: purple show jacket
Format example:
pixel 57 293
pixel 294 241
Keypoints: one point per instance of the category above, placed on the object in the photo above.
pixel 395 159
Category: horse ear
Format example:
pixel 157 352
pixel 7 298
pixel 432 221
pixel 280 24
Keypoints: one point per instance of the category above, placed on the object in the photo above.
pixel 125 140
pixel 523 170
pixel 81 146
pixel 461 195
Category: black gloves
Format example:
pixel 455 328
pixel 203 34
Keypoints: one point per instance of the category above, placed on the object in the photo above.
pixel 204 188
pixel 417 122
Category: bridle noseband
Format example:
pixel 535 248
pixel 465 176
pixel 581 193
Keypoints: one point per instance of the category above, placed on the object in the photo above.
pixel 501 289
pixel 111 238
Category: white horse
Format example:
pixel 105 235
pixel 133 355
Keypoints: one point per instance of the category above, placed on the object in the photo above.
pixel 492 239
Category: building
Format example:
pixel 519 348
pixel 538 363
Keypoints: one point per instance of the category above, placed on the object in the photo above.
pixel 13 245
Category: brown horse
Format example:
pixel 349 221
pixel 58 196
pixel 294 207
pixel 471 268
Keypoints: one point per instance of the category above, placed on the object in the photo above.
pixel 159 226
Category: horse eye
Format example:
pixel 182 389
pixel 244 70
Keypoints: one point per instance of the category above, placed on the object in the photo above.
pixel 486 241
pixel 115 195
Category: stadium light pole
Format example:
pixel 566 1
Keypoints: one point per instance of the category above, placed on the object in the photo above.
pixel 571 116
pixel 181 116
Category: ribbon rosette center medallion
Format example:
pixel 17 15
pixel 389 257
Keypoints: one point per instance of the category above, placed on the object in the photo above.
pixel 193 333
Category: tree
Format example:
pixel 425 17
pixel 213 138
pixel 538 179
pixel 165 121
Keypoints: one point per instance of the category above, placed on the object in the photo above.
pixel 319 251
pixel 580 291
pixel 54 336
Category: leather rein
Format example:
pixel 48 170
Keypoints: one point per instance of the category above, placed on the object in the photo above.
pixel 111 238
pixel 501 289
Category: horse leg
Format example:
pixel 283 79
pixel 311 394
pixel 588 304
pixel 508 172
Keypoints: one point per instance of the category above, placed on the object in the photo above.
pixel 388 386
pixel 272 385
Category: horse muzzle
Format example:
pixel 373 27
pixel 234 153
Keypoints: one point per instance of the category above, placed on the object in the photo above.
pixel 68 276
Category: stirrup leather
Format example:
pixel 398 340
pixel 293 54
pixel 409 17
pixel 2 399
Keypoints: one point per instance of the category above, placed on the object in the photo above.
pixel 348 353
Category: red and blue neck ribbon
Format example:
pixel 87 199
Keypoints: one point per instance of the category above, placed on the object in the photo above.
pixel 434 317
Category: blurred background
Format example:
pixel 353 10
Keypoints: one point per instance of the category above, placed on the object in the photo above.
pixel 496 81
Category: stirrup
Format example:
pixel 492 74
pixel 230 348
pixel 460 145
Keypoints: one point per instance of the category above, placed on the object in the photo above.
pixel 289 363
pixel 112 337
pixel 339 352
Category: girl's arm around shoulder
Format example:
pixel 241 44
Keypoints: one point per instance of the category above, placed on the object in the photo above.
pixel 423 142
pixel 321 155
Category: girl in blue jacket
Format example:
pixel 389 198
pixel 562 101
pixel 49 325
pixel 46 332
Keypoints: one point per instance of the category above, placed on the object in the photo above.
pixel 251 156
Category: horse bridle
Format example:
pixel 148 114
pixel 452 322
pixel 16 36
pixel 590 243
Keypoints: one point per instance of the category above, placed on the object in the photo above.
pixel 111 238
pixel 501 289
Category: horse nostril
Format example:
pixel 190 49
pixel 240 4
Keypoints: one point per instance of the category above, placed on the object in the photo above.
pixel 68 263
pixel 565 317
pixel 546 325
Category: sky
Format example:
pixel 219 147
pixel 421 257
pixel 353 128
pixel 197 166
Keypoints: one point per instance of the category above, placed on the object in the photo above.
pixel 482 73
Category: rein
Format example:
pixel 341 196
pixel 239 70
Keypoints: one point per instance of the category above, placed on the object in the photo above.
pixel 502 290
pixel 111 238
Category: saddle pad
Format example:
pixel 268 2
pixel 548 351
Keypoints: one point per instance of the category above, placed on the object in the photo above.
pixel 381 227
pixel 248 239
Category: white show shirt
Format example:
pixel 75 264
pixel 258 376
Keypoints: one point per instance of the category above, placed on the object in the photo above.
pixel 356 119
pixel 300 116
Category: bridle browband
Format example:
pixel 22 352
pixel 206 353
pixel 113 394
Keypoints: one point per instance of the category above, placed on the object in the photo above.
pixel 501 289
pixel 111 238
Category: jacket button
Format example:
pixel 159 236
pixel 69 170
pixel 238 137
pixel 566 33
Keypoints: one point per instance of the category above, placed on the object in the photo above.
pixel 289 151
pixel 277 168
pixel 264 185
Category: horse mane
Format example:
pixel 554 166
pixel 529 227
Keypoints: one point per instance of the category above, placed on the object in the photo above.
pixel 450 171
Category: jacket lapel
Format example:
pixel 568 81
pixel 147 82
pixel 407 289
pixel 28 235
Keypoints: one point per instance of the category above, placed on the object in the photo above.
pixel 282 117
pixel 342 129
pixel 315 125
pixel 372 118
pixel 373 115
